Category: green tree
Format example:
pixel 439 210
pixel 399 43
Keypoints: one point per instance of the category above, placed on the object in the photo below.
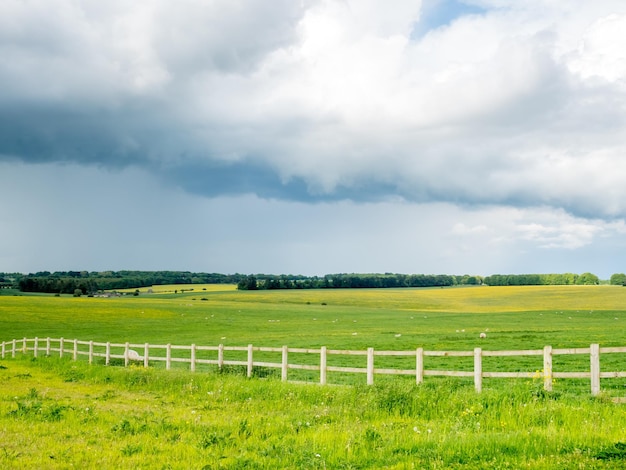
pixel 618 279
pixel 587 279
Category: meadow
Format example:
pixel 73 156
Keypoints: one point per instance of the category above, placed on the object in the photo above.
pixel 56 413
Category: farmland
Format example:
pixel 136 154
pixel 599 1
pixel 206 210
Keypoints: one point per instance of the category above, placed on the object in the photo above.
pixel 516 317
pixel 174 419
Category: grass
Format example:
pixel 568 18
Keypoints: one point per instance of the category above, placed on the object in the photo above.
pixel 529 317
pixel 56 413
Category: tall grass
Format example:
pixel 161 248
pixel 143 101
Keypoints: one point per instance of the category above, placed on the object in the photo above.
pixel 55 413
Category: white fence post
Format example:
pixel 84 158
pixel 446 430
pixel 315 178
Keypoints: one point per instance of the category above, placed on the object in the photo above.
pixel 192 365
pixel 595 369
pixel 419 365
pixel 3 349
pixel 250 361
pixel 220 356
pixel 478 369
pixel 107 354
pixel 35 347
pixel 126 353
pixel 61 347
pixel 168 356
pixel 146 355
pixel 323 371
pixel 48 347
pixel 24 346
pixel 13 346
pixel 91 352
pixel 285 364
pixel 370 366
pixel 75 352
pixel 547 368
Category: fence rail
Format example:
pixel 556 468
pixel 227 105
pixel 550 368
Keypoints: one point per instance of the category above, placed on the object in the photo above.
pixel 129 352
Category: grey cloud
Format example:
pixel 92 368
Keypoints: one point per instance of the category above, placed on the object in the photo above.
pixel 233 98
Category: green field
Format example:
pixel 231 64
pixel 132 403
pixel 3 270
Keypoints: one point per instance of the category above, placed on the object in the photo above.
pixel 516 317
pixel 56 413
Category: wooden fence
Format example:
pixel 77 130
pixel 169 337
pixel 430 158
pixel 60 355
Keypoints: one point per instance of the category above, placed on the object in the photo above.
pixel 129 353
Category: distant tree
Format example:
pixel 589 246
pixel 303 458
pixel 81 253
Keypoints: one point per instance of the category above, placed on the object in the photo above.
pixel 251 283
pixel 587 279
pixel 618 279
pixel 78 292
pixel 248 283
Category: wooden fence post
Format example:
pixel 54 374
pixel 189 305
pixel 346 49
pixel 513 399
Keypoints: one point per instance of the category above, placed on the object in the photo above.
pixel 24 346
pixel 126 353
pixel 323 371
pixel 250 361
pixel 595 369
pixel 75 352
pixel 168 356
pixel 107 354
pixel 48 347
pixel 146 355
pixel 35 347
pixel 61 347
pixel 220 356
pixel 370 366
pixel 547 368
pixel 285 364
pixel 478 369
pixel 13 346
pixel 419 365
pixel 91 352
pixel 192 366
pixel 3 349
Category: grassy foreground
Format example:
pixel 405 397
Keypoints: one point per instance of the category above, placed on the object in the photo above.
pixel 55 413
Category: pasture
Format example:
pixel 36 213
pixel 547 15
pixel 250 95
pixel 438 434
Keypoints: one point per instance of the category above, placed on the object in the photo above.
pixel 515 317
pixel 55 412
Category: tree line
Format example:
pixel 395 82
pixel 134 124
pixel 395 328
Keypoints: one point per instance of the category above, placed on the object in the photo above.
pixel 542 279
pixel 68 282
pixel 388 280
pixel 354 281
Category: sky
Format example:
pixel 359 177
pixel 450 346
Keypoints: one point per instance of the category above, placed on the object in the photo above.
pixel 313 136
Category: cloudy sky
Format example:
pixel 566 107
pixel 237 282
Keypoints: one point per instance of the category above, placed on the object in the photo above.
pixel 313 136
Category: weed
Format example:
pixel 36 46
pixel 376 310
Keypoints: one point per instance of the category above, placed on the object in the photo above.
pixel 10 454
pixel 73 375
pixel 615 452
pixel 214 438
pixel 131 449
pixel 129 427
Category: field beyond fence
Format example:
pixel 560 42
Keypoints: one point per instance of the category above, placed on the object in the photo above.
pixel 318 359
